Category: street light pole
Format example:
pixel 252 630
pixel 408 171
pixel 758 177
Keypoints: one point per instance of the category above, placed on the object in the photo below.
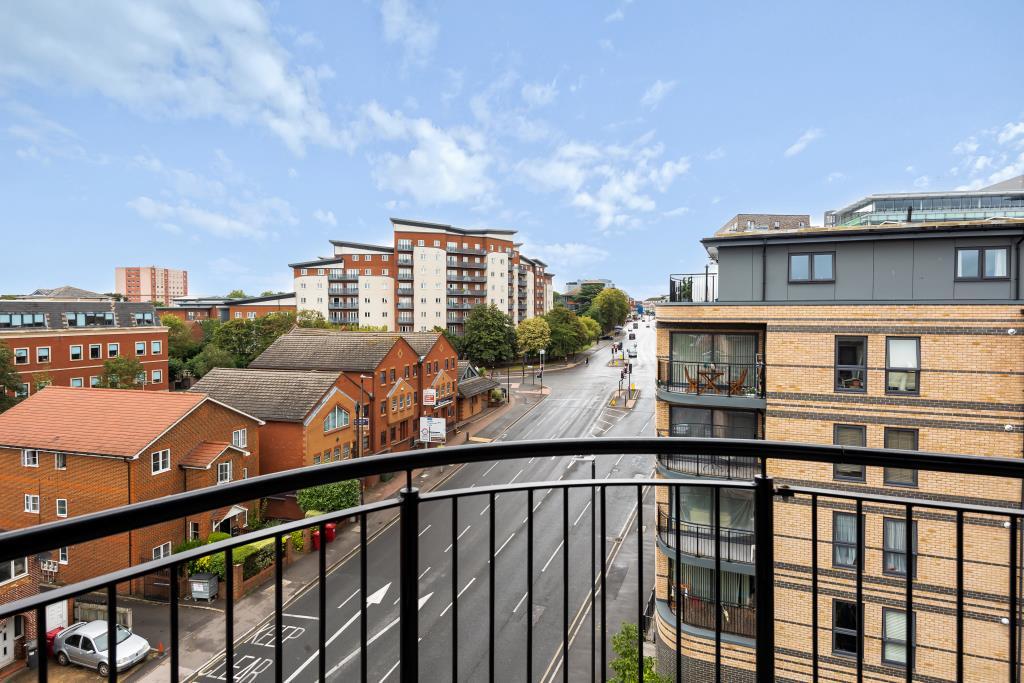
pixel 542 370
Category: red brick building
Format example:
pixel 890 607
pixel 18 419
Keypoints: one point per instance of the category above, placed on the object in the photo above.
pixel 65 343
pixel 69 452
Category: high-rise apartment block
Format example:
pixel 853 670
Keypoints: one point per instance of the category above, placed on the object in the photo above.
pixel 430 277
pixel 150 283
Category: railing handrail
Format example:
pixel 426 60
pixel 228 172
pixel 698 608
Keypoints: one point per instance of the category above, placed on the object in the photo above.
pixel 671 519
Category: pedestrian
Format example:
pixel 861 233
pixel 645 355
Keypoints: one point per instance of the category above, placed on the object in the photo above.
pixel 587 361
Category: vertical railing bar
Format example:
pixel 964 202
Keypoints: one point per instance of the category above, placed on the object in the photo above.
pixel 640 580
pixel 490 591
pixel 455 589
pixel 278 608
pixel 959 596
pixel 716 498
pixel 593 574
pixel 764 566
pixel 41 643
pixel 604 585
pixel 678 578
pixel 229 617
pixel 174 597
pixel 908 540
pixel 364 625
pixel 859 540
pixel 814 588
pixel 565 585
pixel 529 586
pixel 322 604
pixel 111 633
pixel 409 578
pixel 1014 668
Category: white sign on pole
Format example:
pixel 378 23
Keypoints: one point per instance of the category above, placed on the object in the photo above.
pixel 430 397
pixel 433 430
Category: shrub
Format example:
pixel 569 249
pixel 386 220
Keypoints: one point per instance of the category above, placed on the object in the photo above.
pixel 297 544
pixel 256 561
pixel 217 536
pixel 330 497
pixel 189 545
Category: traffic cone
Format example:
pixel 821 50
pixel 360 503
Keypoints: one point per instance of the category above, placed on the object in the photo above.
pixel 160 648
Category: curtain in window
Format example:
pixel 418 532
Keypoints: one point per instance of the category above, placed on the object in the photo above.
pixel 736 589
pixel 692 348
pixel 903 353
pixel 736 507
pixel 736 348
pixel 895 544
pixel 845 537
pixel 895 629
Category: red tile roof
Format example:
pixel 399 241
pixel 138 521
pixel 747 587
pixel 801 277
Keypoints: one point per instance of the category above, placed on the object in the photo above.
pixel 117 422
pixel 204 455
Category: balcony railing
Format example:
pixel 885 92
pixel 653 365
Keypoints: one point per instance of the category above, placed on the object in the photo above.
pixel 343 277
pixel 454 291
pixel 338 289
pixel 722 379
pixel 467 278
pixel 693 287
pixel 698 540
pixel 466 263
pixel 343 305
pixel 537 535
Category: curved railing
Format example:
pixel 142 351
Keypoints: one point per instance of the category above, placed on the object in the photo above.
pixel 718 379
pixel 699 540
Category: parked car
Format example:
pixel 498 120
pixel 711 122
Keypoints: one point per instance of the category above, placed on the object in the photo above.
pixel 85 643
pixel 632 335
pixel 632 350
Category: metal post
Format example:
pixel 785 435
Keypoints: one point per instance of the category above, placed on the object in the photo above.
pixel 409 584
pixel 764 566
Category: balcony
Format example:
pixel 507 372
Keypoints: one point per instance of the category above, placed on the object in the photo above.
pixel 698 540
pixel 343 305
pixel 468 278
pixel 535 537
pixel 338 289
pixel 465 250
pixel 459 307
pixel 466 263
pixel 693 287
pixel 404 306
pixel 404 246
pixel 741 380
pixel 404 260
pixel 343 277
pixel 403 289
pixel 455 291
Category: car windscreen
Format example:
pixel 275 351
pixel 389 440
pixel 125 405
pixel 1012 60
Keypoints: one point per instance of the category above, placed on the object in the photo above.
pixel 101 640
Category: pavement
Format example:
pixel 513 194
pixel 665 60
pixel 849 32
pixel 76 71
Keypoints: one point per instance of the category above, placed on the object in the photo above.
pixel 572 403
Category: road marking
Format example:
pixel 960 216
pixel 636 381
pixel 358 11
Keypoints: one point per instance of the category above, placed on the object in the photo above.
pixel 353 654
pixel 552 557
pixel 301 616
pixel 464 589
pixel 390 670
pixel 582 512
pixel 354 594
pixel 459 536
pixel 620 459
pixel 531 460
pixel 504 544
pixel 486 508
pixel 426 529
pixel 489 470
pixel 517 476
pixel 520 603
pixel 553 457
pixel 424 573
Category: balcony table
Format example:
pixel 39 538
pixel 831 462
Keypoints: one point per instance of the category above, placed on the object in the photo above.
pixel 710 377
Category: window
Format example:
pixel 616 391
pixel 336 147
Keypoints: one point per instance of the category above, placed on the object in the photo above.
pixel 991 263
pixel 316 459
pixel 383 377
pixel 902 364
pixel 193 531
pixel 62 555
pixel 85 319
pixel 30 458
pixel 383 407
pixel 62 507
pixel 845 628
pixel 851 364
pixel 848 435
pixel 140 348
pixel 904 440
pixel 21 356
pixel 894 546
pixel 223 472
pixel 245 473
pixel 76 352
pixel 140 378
pixel 161 551
pixel 94 381
pixel 160 461
pixel 113 350
pixel 22 320
pixel 95 352
pixel 392 373
pixel 240 438
pixel 894 637
pixel 844 544
pixel 156 347
pixel 158 376
pixel 336 419
pixel 60 461
pixel 32 503
pixel 77 382
pixel 812 267
pixel 15 569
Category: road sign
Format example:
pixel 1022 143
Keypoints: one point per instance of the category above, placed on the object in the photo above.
pixel 362 422
pixel 433 430
pixel 430 397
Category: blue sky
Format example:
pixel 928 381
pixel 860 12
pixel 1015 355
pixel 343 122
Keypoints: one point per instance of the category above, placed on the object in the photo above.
pixel 231 138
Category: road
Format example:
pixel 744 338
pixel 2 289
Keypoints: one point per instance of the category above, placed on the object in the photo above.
pixel 578 406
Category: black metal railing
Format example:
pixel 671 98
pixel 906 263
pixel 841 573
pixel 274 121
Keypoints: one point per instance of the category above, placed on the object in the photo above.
pixel 721 379
pixel 693 287
pixel 698 540
pixel 997 569
pixel 714 466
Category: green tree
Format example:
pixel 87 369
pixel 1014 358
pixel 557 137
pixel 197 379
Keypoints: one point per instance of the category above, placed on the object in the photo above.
pixel 237 294
pixel 40 380
pixel 269 292
pixel 123 372
pixel 10 380
pixel 237 337
pixel 592 327
pixel 454 339
pixel 532 335
pixel 329 497
pixel 212 356
pixel 210 327
pixel 489 336
pixel 610 308
pixel 180 342
pixel 568 335
pixel 626 645
pixel 310 318
pixel 176 368
pixel 586 295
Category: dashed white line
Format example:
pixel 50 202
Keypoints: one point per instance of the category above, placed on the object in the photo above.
pixel 504 544
pixel 520 603
pixel 424 573
pixel 489 470
pixel 552 556
pixel 582 512
pixel 464 589
pixel 459 536
pixel 426 529
pixel 620 459
pixel 354 594
pixel 301 616
pixel 516 477
pixel 531 460
pixel 486 508
pixel 390 671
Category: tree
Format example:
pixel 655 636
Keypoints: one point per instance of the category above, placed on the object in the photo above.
pixel 489 336
pixel 210 327
pixel 311 318
pixel 329 497
pixel 454 339
pixel 626 645
pixel 40 380
pixel 586 295
pixel 610 308
pixel 270 292
pixel 237 294
pixel 114 295
pixel 10 380
pixel 568 335
pixel 238 337
pixel 532 335
pixel 212 356
pixel 180 342
pixel 592 327
pixel 123 372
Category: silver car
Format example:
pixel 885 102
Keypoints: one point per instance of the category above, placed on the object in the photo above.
pixel 85 644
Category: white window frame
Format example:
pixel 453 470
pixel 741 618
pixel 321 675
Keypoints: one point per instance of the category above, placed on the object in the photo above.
pixel 94 381
pixel 156 347
pixel 193 531
pixel 27 357
pixel 62 555
pixel 58 458
pixel 161 551
pixel 154 468
pixel 141 344
pixel 49 355
pixel 99 349
pixel 240 438
pixel 29 457
pixel 117 349
pixel 16 576
pixel 222 467
pixel 71 352
pixel 158 376
pixel 32 503
pixel 80 380
pixel 58 506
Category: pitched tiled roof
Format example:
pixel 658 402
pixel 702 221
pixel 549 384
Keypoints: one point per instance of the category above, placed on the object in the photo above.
pixel 279 395
pixel 117 422
pixel 476 385
pixel 421 342
pixel 314 349
pixel 204 455
pixel 69 292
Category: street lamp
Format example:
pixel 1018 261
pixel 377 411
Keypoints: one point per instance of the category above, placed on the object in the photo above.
pixel 542 352
pixel 363 416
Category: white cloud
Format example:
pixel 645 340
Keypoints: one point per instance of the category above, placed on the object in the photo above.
pixel 498 111
pixel 617 15
pixel 809 136
pixel 308 39
pixel 835 177
pixel 715 154
pixel 606 45
pixel 1010 132
pixel 981 163
pixel 292 173
pixel 991 156
pixel 921 182
pixel 45 138
pixel 326 217
pixel 566 257
pixel 404 24
pixel 653 96
pixel 678 211
pixel 453 88
pixel 185 60
pixel 539 94
pixel 968 146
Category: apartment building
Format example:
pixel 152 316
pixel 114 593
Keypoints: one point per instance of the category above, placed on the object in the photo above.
pixel 150 283
pixel 897 335
pixel 65 342
pixel 69 452
pixel 197 309
pixel 431 276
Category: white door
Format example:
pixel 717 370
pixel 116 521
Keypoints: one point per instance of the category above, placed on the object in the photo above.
pixel 57 615
pixel 7 642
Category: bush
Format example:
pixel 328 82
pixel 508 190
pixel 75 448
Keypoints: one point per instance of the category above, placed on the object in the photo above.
pixel 193 565
pixel 330 497
pixel 257 561
pixel 296 537
pixel 217 536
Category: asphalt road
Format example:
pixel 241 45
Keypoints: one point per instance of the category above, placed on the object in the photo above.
pixel 577 407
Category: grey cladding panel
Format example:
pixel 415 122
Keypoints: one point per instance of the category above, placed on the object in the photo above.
pixel 854 268
pixel 778 273
pixel 736 274
pixel 933 269
pixel 894 270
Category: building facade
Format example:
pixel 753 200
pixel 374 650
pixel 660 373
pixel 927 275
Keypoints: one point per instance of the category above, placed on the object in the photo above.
pixel 905 336
pixel 66 342
pixel 150 283
pixel 431 276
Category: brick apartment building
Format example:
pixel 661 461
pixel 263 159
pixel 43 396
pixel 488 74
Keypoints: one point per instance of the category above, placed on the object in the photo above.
pixel 197 309
pixel 70 452
pixel 430 277
pixel 902 335
pixel 65 342
pixel 392 371
pixel 150 283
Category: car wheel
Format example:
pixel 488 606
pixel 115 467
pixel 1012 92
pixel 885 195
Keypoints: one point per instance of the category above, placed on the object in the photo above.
pixel 62 658
pixel 103 669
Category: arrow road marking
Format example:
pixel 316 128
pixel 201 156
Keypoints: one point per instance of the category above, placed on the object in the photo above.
pixel 369 642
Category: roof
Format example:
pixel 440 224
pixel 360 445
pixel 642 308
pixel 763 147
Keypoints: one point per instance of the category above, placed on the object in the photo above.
pixel 315 349
pixel 205 454
pixel 452 228
pixel 118 422
pixel 68 292
pixel 421 342
pixel 1007 186
pixel 53 311
pixel 261 299
pixel 842 231
pixel 363 245
pixel 333 260
pixel 475 386
pixel 271 395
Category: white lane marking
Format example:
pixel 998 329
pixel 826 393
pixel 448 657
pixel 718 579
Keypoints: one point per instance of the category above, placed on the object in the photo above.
pixel 426 529
pixel 424 573
pixel 301 616
pixel 459 536
pixel 553 457
pixel 396 601
pixel 489 470
pixel 620 458
pixel 486 508
pixel 520 603
pixel 354 594
pixel 390 671
pixel 504 544
pixel 582 512
pixel 531 460
pixel 464 589
pixel 552 557
pixel 517 476
pixel 353 654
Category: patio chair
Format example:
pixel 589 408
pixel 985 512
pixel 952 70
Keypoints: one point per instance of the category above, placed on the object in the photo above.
pixel 690 381
pixel 736 386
